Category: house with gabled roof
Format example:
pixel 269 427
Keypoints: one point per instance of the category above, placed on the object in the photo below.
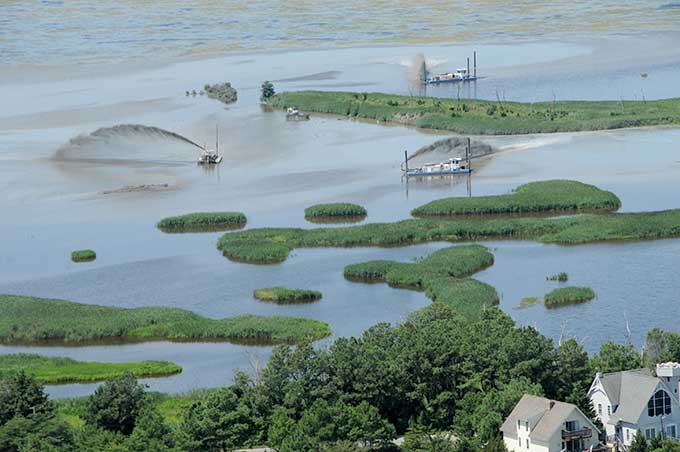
pixel 641 399
pixel 537 424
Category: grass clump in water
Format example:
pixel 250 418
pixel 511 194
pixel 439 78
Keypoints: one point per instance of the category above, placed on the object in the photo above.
pixel 528 302
pixel 51 370
pixel 203 222
pixel 335 213
pixel 535 197
pixel 83 256
pixel 561 277
pixel 34 320
pixel 485 117
pixel 568 295
pixel 283 295
pixel 440 275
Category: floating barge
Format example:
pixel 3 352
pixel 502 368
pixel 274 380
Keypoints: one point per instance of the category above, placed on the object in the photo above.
pixel 293 114
pixel 211 156
pixel 452 166
pixel 460 75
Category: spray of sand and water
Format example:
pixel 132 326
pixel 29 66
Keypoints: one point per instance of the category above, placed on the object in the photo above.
pixel 127 142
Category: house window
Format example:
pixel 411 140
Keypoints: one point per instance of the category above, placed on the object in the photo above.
pixel 670 431
pixel 609 410
pixel 526 424
pixel 659 404
pixel 599 409
pixel 519 424
pixel 627 434
pixel 571 426
pixel 527 443
pixel 650 433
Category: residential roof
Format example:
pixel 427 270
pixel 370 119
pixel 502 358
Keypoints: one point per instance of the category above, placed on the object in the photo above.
pixel 544 416
pixel 629 391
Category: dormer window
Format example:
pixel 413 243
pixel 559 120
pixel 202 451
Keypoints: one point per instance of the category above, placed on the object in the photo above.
pixel 519 424
pixel 659 404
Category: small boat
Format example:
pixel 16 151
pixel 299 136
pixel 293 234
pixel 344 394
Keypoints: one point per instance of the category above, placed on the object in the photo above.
pixel 454 165
pixel 211 156
pixel 293 114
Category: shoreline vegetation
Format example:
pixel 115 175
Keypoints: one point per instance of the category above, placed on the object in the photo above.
pixel 83 256
pixel 568 295
pixel 335 213
pixel 485 117
pixel 550 196
pixel 203 222
pixel 441 275
pixel 273 245
pixel 57 370
pixel 284 295
pixel 31 320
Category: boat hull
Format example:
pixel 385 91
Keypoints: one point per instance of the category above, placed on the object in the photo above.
pixel 415 173
pixel 454 80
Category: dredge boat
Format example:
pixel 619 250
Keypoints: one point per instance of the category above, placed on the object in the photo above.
pixel 211 156
pixel 460 75
pixel 293 114
pixel 454 165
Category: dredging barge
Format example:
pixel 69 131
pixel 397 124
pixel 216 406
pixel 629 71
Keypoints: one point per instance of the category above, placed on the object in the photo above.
pixel 460 75
pixel 211 156
pixel 452 166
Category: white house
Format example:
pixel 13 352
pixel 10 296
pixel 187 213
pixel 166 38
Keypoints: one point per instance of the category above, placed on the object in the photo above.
pixel 537 424
pixel 640 399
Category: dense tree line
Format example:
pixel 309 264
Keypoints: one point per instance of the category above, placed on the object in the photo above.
pixel 435 376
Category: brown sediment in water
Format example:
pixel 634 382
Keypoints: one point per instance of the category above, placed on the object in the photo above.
pixel 138 188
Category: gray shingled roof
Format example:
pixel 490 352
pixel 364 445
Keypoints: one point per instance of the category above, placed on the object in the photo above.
pixel 544 419
pixel 635 388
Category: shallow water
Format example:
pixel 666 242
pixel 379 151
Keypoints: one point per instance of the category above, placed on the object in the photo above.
pixel 84 30
pixel 273 169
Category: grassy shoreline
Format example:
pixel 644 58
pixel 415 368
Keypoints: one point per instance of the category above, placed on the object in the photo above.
pixel 568 295
pixel 30 320
pixel 440 275
pixel 335 212
pixel 484 117
pixel 57 370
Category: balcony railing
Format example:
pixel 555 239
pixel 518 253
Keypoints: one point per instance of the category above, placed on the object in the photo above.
pixel 577 434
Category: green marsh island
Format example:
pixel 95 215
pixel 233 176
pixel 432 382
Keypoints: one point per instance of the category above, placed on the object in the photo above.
pixel 27 320
pixel 203 222
pixel 335 213
pixel 284 295
pixel 441 275
pixel 83 256
pixel 273 245
pixel 550 196
pixel 485 117
pixel 57 370
pixel 568 295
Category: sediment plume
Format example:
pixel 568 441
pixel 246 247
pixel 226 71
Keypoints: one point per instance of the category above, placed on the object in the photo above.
pixel 454 147
pixel 418 69
pixel 120 141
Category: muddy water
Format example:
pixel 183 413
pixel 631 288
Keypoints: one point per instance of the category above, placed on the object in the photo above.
pixel 273 169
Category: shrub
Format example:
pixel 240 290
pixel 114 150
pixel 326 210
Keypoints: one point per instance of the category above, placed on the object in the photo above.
pixel 83 256
pixel 32 320
pixel 534 197
pixel 283 295
pixel 203 222
pixel 568 295
pixel 561 277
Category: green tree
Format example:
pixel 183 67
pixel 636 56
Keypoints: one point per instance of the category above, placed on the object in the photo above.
pixel 116 404
pixel 150 433
pixel 220 422
pixel 614 357
pixel 267 91
pixel 35 433
pixel 656 442
pixel 21 395
pixel 365 425
pixel 639 443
